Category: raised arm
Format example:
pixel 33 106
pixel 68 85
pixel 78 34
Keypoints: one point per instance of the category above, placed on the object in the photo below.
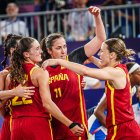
pixel 43 83
pixel 94 45
pixel 94 60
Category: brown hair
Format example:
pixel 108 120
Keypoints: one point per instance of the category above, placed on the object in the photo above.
pixel 10 42
pixel 16 66
pixel 47 42
pixel 118 46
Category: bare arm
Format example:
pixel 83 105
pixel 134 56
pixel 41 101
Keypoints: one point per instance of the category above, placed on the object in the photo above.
pixel 107 73
pixel 94 45
pixel 95 61
pixel 3 75
pixel 43 83
pixel 100 109
pixel 20 91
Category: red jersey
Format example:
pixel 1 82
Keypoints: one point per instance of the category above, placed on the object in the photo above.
pixel 119 102
pixel 22 107
pixel 6 110
pixel 5 130
pixel 66 92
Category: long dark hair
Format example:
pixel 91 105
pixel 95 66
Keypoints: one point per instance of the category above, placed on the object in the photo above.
pixel 16 66
pixel 47 43
pixel 10 42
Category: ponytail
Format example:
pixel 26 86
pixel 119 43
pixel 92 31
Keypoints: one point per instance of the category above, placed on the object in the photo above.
pixel 129 54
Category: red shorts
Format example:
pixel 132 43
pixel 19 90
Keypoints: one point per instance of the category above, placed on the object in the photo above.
pixel 31 128
pixel 5 131
pixel 62 132
pixel 125 131
pixel 72 138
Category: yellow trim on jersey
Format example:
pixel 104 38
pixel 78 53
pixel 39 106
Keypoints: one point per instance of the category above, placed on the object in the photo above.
pixel 10 113
pixel 79 138
pixel 10 123
pixel 113 110
pixel 112 103
pixel 51 127
pixel 130 89
pixel 115 132
pixel 81 105
pixel 31 71
pixel 67 58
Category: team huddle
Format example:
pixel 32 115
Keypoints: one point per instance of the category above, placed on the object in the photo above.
pixel 41 93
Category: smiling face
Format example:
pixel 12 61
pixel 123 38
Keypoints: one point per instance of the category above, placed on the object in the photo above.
pixel 58 49
pixel 104 55
pixel 34 53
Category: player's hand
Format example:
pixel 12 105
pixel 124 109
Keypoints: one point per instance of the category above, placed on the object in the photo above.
pixel 83 83
pixel 94 10
pixel 77 129
pixel 22 91
pixel 49 62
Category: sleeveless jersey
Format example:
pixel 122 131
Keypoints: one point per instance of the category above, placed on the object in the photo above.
pixel 22 107
pixel 6 110
pixel 119 102
pixel 66 92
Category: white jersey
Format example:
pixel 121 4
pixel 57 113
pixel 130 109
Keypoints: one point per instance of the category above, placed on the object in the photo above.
pixel 96 130
pixel 17 27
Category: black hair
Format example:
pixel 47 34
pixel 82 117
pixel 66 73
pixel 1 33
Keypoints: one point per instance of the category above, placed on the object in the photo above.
pixel 10 42
pixel 129 65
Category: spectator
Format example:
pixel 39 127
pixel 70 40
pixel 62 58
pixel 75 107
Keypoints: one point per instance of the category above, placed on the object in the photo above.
pixel 80 24
pixel 52 22
pixel 13 24
pixel 126 16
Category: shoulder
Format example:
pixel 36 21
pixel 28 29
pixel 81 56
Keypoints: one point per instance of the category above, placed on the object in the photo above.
pixel 4 73
pixel 20 22
pixel 39 72
pixel 122 67
pixel 7 79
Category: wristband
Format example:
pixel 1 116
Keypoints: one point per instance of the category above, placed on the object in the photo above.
pixel 73 125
